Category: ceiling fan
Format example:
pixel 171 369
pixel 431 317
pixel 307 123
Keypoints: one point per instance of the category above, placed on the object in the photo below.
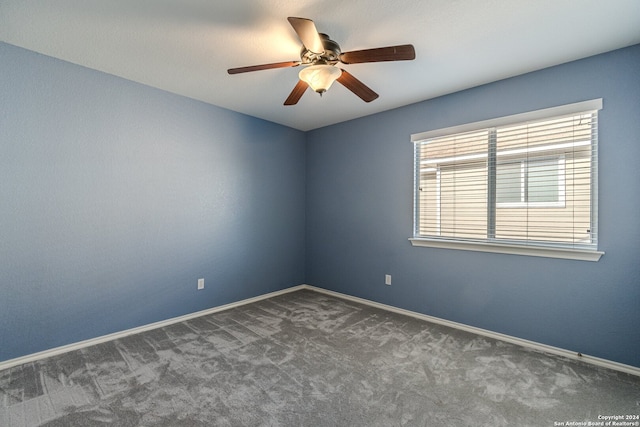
pixel 319 56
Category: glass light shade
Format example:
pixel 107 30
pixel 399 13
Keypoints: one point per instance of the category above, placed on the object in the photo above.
pixel 320 77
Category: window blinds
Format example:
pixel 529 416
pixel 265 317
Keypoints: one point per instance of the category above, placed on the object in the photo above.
pixel 531 182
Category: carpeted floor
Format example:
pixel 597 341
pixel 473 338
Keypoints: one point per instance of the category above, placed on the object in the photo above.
pixel 308 359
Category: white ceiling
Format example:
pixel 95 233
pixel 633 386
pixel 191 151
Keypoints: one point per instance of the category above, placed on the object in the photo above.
pixel 186 46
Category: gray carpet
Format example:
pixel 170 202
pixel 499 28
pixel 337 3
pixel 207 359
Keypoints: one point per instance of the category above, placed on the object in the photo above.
pixel 308 359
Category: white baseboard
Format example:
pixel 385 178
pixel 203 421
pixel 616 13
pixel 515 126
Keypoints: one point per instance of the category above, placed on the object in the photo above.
pixel 502 337
pixel 110 337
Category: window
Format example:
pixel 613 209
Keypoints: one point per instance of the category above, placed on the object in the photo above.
pixel 524 184
pixel 531 182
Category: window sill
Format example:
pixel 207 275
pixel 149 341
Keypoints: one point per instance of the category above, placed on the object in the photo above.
pixel 564 253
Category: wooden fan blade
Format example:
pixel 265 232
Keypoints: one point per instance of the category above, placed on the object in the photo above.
pixel 403 52
pixel 263 67
pixel 308 34
pixel 296 93
pixel 356 86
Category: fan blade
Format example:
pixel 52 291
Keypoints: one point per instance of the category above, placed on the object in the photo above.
pixel 356 86
pixel 263 67
pixel 308 34
pixel 296 93
pixel 403 52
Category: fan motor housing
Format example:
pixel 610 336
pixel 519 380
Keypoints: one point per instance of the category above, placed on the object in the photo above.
pixel 330 56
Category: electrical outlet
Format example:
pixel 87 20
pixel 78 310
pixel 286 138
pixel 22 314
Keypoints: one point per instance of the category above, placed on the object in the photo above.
pixel 200 284
pixel 387 279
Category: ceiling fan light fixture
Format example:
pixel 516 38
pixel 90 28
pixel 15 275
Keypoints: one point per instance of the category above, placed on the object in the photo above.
pixel 319 56
pixel 320 77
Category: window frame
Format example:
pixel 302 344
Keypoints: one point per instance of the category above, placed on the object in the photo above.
pixel 489 245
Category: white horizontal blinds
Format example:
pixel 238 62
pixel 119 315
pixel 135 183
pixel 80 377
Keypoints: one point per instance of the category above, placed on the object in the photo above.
pixel 453 191
pixel 543 185
pixel 522 183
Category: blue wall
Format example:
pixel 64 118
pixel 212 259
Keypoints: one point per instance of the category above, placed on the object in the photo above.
pixel 359 216
pixel 116 197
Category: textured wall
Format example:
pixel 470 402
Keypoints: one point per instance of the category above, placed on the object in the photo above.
pixel 359 216
pixel 116 197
